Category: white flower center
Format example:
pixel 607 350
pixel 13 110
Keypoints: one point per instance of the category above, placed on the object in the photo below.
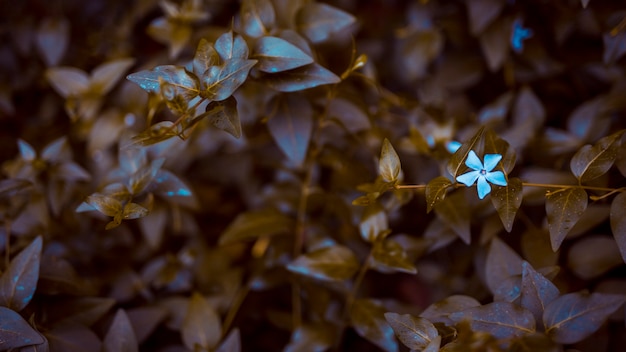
pixel 483 172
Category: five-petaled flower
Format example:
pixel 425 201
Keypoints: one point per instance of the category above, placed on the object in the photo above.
pixel 482 174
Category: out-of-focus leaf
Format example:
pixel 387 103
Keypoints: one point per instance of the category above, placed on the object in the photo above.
pixel 618 222
pixel 201 327
pixel 439 312
pixel 482 12
pixel 183 83
pixel 592 162
pixel 205 57
pixel 537 292
pixel 224 115
pixel 389 256
pixel 614 47
pixel 309 338
pixel 85 310
pixel 349 115
pixel 502 263
pixel 120 336
pixel 528 109
pixel 564 207
pixel 455 213
pixel 584 3
pixel 223 82
pixel 68 81
pixel 255 224
pixel 368 319
pixel 501 319
pixel 52 40
pixel 494 43
pixel 19 281
pixel 144 320
pixel 158 132
pixel 493 144
pixel 419 49
pixel 587 121
pixel 276 55
pixel 231 46
pixel 497 110
pixel 134 211
pixel 532 343
pixel 374 223
pixel 574 316
pixel 318 21
pixel 15 331
pixel 291 127
pixel 590 257
pixel 414 332
pixel 105 76
pixel 72 338
pixel 12 186
pixel 436 190
pixel 389 163
pixel 142 178
pixel 457 160
pixel 332 263
pixel 300 78
pixel 257 17
pixel 172 32
pixel 232 342
pixel 507 200
pixel 536 248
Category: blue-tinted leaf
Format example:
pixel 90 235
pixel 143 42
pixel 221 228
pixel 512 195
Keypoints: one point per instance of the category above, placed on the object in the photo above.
pixel 592 162
pixel 439 312
pixel 52 38
pixel 277 55
pixel 482 12
pixel 300 78
pixel 19 281
pixel 502 262
pixel 436 191
pixel 564 208
pixel 332 263
pixel 120 337
pixel 173 189
pixel 15 331
pixel 455 213
pixel 497 110
pixel 27 152
pixel 507 200
pixel 205 57
pixel 183 83
pixel 503 320
pixel 349 115
pixel 231 343
pixel 231 46
pixel 105 76
pixel 201 327
pixel 368 319
pixel 574 316
pixel 221 84
pixel 592 256
pixel 618 222
pixel 224 115
pixel 317 337
pixel 318 21
pixel 537 292
pixel 291 127
pixel 414 332
pixel 58 150
pixel 255 224
pixel 257 17
pixel 106 205
pixel 12 186
pixel 528 109
pixel 614 46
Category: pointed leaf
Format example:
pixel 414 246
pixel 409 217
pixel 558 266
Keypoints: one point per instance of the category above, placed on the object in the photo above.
pixel 105 76
pixel 503 320
pixel 257 17
pixel 573 317
pixel 223 83
pixel 592 256
pixel 507 200
pixel 68 81
pixel 368 319
pixel 614 46
pixel 439 312
pixel 389 164
pixel 502 262
pixel 300 78
pixel 291 127
pixel 374 223
pixel 482 12
pixel 277 55
pixel 15 332
pixel 332 263
pixel 457 160
pixel 231 46
pixel 436 191
pixel 134 211
pixel 494 42
pixel 319 337
pixel 537 292
pixel 455 213
pixel 19 281
pixel 493 144
pixel 414 332
pixel 205 57
pixel 618 222
pixel 223 115
pixel 592 162
pixel 120 336
pixel 255 224
pixel 182 82
pixel 201 327
pixel 318 21
pixel 231 343
pixel 389 256
pixel 52 39
pixel 564 207
pixel 106 205
pixel 73 338
pixel 351 116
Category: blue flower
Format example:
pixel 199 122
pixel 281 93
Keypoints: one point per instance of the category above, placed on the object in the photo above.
pixel 482 173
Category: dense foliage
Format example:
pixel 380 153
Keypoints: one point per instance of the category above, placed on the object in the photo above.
pixel 300 175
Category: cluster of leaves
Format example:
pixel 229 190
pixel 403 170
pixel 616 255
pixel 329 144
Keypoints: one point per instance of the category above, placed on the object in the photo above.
pixel 302 175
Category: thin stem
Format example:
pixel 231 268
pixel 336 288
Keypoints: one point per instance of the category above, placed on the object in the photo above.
pixel 591 188
pixel 234 308
pixel 357 283
pixel 409 187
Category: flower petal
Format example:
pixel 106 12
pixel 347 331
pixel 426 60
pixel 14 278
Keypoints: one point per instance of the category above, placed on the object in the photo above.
pixel 468 178
pixel 491 160
pixel 473 162
pixel 496 177
pixel 483 187
pixel 453 146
